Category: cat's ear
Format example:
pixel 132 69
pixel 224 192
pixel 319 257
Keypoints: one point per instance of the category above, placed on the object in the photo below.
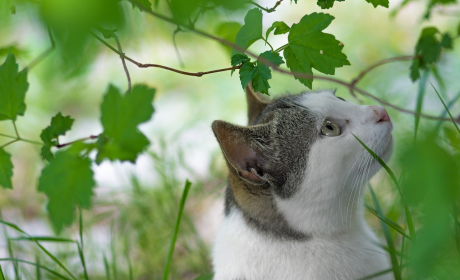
pixel 256 103
pixel 240 150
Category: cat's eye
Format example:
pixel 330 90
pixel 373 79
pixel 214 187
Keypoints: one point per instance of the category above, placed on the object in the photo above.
pixel 329 128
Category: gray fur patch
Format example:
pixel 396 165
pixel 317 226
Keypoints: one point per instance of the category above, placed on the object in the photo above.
pixel 292 132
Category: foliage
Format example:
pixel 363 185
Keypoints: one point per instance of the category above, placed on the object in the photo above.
pixel 426 225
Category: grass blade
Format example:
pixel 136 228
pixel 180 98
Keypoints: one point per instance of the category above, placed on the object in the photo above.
pixel 38 274
pixel 40 246
pixel 387 221
pixel 44 239
pixel 394 260
pixel 376 274
pixel 10 253
pixel 37 265
pixel 420 97
pixel 80 245
pixel 2 276
pixel 443 114
pixel 112 251
pixel 176 229
pixel 447 109
pixel 410 223
pixel 107 268
pixel 130 267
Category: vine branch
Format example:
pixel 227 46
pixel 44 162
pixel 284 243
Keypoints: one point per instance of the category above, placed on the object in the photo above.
pixel 45 53
pixel 268 10
pixel 82 139
pixel 274 67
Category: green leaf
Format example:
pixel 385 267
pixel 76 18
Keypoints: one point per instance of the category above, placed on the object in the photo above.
pixel 375 3
pixel 68 182
pixel 251 31
pixel 59 126
pixel 325 4
pixel 446 41
pixel 273 57
pixel 120 116
pixel 239 58
pixel 183 9
pixel 228 31
pixel 428 50
pixel 13 88
pixel 310 48
pixel 246 73
pixel 6 169
pixel 280 28
pixel 259 73
pixel 145 3
pixel 452 136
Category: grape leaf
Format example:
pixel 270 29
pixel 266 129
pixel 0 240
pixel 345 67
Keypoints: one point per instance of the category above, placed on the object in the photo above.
pixel 239 58
pixel 273 57
pixel 428 50
pixel 375 3
pixel 67 182
pixel 251 31
pixel 260 76
pixel 59 126
pixel 183 9
pixel 13 88
pixel 6 169
pixel 280 28
pixel 120 116
pixel 246 73
pixel 310 48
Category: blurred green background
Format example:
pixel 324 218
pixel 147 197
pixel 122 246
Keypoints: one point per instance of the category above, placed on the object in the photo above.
pixel 135 206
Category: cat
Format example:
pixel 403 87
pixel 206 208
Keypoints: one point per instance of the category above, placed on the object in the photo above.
pixel 293 205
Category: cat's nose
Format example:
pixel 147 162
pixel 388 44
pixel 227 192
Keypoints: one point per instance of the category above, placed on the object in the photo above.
pixel 381 114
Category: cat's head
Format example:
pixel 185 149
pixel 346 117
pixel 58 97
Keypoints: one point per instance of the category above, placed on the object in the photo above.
pixel 298 163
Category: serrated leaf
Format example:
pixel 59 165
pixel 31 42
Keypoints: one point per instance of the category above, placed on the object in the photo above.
pixel 280 27
pixel 13 88
pixel 325 4
pixel 246 73
pixel 145 3
pixel 6 170
pixel 310 48
pixel 428 50
pixel 261 75
pixel 239 58
pixel 183 9
pixel 59 126
pixel 251 31
pixel 375 3
pixel 273 57
pixel 67 182
pixel 120 116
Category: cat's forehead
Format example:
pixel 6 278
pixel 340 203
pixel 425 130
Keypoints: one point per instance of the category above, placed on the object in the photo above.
pixel 326 104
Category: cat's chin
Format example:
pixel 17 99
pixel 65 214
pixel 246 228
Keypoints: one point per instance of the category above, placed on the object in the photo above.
pixel 386 154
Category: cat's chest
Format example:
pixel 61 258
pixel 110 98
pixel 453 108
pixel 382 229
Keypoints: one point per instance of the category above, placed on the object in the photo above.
pixel 242 253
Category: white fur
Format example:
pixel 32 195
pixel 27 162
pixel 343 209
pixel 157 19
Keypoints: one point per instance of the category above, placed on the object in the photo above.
pixel 327 206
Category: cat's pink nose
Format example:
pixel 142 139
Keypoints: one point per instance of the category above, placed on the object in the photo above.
pixel 381 114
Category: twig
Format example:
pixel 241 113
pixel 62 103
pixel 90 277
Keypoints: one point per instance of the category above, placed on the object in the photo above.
pixel 181 62
pixel 16 130
pixel 82 139
pixel 11 142
pixel 268 10
pixel 274 67
pixel 45 53
pixel 377 64
pixel 141 65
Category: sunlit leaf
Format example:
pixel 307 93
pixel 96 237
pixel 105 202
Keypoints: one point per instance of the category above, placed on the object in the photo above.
pixel 120 116
pixel 375 3
pixel 310 48
pixel 251 31
pixel 13 88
